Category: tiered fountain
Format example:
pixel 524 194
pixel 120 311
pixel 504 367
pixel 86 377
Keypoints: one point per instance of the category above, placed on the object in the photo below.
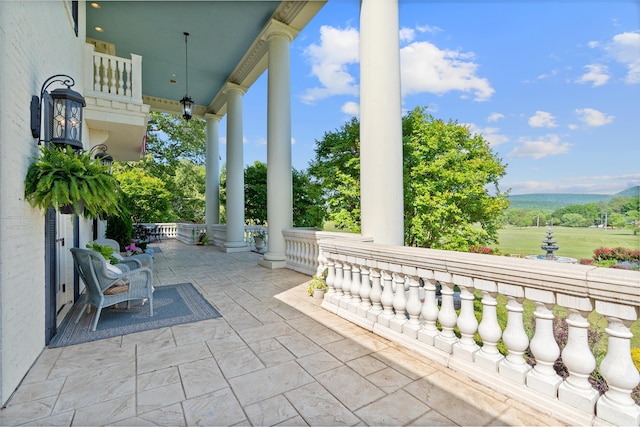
pixel 550 246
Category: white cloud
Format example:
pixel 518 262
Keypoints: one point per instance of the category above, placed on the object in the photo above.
pixel 293 141
pixel 625 48
pixel 593 44
pixel 428 29
pixel 426 68
pixel 494 117
pixel 351 108
pixel 593 118
pixel 542 119
pixel 488 133
pixel 330 59
pixel 597 75
pixel 407 34
pixel 572 126
pixel 549 145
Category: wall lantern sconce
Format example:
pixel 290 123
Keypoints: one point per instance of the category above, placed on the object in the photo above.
pixel 101 155
pixel 62 112
pixel 186 101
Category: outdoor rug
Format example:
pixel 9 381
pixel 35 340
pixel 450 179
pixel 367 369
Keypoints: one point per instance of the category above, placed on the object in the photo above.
pixel 172 305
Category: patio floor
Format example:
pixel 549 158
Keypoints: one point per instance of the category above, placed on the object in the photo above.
pixel 273 358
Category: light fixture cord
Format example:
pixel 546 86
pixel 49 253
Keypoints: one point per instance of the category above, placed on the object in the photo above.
pixel 186 61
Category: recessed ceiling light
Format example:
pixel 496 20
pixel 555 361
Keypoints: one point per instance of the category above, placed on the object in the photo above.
pixel 95 5
pixel 98 29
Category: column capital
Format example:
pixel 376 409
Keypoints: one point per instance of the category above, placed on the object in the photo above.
pixel 232 88
pixel 212 116
pixel 278 29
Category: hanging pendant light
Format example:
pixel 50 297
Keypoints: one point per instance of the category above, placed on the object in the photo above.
pixel 186 101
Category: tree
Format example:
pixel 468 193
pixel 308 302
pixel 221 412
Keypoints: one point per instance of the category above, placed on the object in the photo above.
pixel 447 172
pixel 308 210
pixel 336 169
pixel 145 196
pixel 574 220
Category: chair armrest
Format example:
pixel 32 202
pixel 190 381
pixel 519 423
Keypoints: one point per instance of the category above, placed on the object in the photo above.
pixel 131 263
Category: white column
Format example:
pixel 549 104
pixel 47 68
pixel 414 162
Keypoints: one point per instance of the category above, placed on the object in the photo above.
pixel 235 171
pixel 212 189
pixel 381 123
pixel 279 179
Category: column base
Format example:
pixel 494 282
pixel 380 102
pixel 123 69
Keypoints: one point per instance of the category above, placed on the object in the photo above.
pixel 616 413
pixel 545 384
pixel 273 264
pixel 514 372
pixel 583 399
pixel 487 361
pixel 428 336
pixel 232 247
pixel 465 352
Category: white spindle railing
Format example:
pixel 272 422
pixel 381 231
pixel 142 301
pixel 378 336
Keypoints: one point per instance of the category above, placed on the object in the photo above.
pixel 399 302
pixel 113 77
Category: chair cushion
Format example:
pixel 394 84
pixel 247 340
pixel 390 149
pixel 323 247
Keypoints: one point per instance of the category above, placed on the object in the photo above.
pixel 113 269
pixel 117 287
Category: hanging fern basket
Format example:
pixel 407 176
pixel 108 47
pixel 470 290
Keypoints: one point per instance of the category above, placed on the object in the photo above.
pixel 71 182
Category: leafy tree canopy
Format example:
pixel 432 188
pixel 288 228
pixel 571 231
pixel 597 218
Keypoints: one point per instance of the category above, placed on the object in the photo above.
pixel 447 176
pixel 145 196
pixel 308 210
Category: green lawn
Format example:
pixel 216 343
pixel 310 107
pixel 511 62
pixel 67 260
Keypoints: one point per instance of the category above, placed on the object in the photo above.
pixel 573 242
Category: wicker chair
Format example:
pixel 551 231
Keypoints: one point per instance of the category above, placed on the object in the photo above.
pixel 132 261
pixel 99 281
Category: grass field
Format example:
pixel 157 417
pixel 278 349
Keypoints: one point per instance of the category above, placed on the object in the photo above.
pixel 573 242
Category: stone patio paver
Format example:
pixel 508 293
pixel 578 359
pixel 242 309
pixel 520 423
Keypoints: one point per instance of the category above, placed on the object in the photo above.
pixel 274 358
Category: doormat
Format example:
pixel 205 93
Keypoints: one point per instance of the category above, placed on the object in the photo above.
pixel 172 305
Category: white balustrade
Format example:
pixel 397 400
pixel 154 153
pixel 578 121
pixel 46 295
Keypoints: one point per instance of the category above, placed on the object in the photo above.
pixel 375 270
pixel 113 77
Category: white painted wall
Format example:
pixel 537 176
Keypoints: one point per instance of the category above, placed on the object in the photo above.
pixel 38 41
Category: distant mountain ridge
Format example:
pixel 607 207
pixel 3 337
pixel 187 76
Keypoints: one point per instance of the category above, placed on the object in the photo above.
pixel 553 201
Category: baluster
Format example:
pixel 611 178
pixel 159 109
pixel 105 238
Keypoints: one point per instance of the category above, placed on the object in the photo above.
pixel 97 63
pixel 306 255
pixel 543 377
pixel 346 285
pixel 515 339
pixel 355 288
pixel 429 309
pixel 489 329
pixel 386 299
pixel 576 355
pixel 365 291
pixel 331 276
pixel 338 283
pixel 447 315
pixel 127 74
pixel 617 368
pixel 112 76
pixel 105 75
pixel 414 307
pixel 399 303
pixel 322 263
pixel 467 322
pixel 120 80
pixel 375 295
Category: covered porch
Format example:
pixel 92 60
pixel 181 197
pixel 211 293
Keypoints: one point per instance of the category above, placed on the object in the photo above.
pixel 274 357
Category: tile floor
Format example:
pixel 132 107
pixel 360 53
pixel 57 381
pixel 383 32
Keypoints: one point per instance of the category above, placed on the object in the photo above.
pixel 273 358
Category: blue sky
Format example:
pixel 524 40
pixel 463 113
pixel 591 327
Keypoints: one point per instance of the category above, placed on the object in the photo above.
pixel 554 86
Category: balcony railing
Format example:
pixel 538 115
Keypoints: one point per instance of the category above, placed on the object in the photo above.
pixel 109 76
pixel 392 291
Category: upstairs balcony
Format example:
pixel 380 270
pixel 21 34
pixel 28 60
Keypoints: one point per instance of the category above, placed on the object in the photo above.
pixel 115 113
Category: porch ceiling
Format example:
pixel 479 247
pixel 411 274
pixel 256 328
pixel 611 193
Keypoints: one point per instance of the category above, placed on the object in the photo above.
pixel 221 35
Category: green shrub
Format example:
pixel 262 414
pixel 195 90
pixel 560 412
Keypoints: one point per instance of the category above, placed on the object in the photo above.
pixel 120 229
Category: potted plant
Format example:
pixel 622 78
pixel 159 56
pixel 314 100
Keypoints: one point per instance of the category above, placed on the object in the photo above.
pixel 317 287
pixel 203 240
pixel 105 251
pixel 71 182
pixel 258 239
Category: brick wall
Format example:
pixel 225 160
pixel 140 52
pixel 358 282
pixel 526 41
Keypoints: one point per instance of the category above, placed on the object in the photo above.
pixel 36 41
